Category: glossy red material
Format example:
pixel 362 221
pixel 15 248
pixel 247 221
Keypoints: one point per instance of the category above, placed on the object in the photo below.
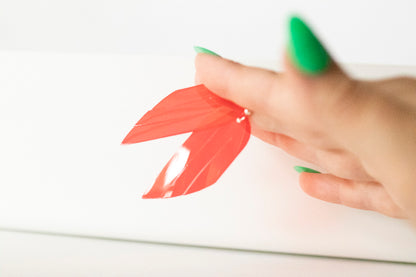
pixel 183 111
pixel 201 160
pixel 216 141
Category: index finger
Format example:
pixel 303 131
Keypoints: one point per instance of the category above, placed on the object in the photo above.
pixel 246 86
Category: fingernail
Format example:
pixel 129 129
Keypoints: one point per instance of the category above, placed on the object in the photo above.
pixel 305 50
pixel 200 49
pixel 301 169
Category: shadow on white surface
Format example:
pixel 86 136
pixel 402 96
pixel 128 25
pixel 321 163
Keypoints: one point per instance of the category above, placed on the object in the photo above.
pixel 25 254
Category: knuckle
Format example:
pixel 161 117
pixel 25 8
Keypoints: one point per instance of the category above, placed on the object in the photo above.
pixel 343 101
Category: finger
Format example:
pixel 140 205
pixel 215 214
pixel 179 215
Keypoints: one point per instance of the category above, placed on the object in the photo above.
pixel 287 144
pixel 295 99
pixel 279 102
pixel 248 87
pixel 338 162
pixel 359 195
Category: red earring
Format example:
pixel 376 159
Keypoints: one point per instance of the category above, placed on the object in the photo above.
pixel 220 130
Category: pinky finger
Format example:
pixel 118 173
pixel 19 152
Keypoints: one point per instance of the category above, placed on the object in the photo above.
pixel 354 194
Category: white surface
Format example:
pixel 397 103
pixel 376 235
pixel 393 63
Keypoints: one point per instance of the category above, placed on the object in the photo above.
pixel 63 169
pixel 39 255
pixel 355 31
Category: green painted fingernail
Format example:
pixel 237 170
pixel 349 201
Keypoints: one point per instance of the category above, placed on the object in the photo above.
pixel 305 50
pixel 301 169
pixel 200 49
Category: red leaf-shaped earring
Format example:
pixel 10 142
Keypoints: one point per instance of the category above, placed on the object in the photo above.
pixel 220 131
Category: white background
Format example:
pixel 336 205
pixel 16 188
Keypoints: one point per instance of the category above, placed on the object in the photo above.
pixel 98 66
pixel 356 31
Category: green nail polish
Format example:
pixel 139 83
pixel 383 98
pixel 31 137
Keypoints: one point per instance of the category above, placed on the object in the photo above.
pixel 301 169
pixel 305 50
pixel 199 49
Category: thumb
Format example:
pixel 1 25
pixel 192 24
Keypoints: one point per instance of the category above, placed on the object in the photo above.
pixel 309 64
pixel 306 52
pixel 316 78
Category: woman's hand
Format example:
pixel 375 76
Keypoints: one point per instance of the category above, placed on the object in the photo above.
pixel 363 134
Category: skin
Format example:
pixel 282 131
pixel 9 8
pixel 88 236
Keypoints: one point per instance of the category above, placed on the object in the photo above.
pixel 363 134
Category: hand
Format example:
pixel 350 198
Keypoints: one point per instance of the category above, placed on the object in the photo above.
pixel 363 134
